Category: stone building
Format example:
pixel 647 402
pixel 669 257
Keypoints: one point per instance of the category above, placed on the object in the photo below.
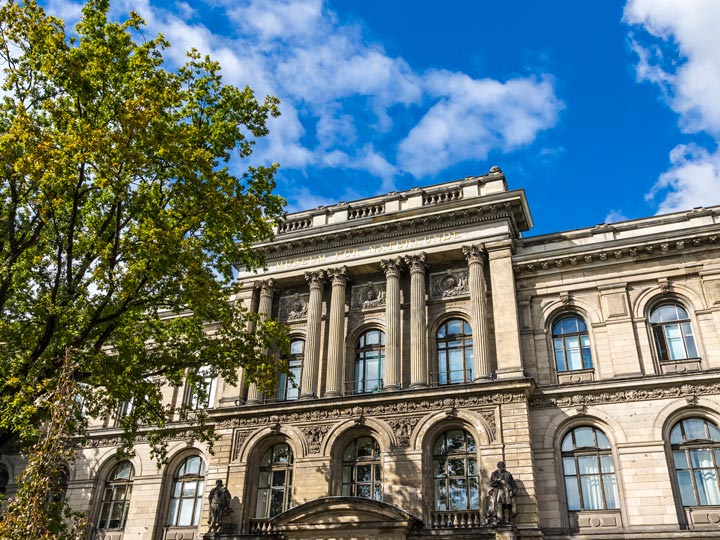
pixel 431 340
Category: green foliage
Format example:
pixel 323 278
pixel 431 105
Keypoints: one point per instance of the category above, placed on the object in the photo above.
pixel 120 220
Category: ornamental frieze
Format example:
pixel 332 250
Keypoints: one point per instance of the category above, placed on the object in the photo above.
pixel 449 284
pixel 624 396
pixel 293 307
pixel 368 296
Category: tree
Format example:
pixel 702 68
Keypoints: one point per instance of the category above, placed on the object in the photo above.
pixel 120 220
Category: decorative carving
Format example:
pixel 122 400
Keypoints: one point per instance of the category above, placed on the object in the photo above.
pixel 294 307
pixel 240 438
pixel 370 295
pixel 315 279
pixel 624 396
pixel 338 275
pixel 403 428
pixel 489 417
pixel 267 287
pixel 315 435
pixel 416 262
pixel 448 284
pixel 566 299
pixel 474 254
pixel 391 267
pixel 665 285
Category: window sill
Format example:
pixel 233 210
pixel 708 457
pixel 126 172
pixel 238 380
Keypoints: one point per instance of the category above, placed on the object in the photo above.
pixel 588 520
pixel 679 366
pixel 703 517
pixel 572 377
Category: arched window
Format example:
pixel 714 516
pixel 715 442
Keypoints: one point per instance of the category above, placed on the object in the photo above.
pixel 187 491
pixel 369 356
pixel 362 470
pixel 571 344
pixel 589 470
pixel 454 352
pixel 116 497
pixel 455 472
pixel 672 332
pixel 289 383
pixel 275 483
pixel 695 445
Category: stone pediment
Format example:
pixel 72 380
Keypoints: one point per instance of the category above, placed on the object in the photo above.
pixel 321 516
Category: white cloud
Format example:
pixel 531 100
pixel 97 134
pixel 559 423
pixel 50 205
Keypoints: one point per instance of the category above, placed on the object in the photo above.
pixel 341 92
pixel 614 216
pixel 473 117
pixel 682 59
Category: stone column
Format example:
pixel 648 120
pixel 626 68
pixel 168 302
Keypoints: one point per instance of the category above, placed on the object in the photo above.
pixel 482 368
pixel 336 344
pixel 267 289
pixel 505 310
pixel 392 268
pixel 251 304
pixel 418 321
pixel 308 386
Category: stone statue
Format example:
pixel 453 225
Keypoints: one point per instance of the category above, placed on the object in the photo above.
pixel 501 497
pixel 219 499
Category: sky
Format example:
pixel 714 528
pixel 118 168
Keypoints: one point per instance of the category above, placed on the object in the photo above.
pixel 601 111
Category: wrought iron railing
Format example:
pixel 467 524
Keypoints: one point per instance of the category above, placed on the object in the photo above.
pixel 364 386
pixel 457 376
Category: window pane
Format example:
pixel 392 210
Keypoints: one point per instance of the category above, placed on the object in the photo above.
pixel 573 494
pixel 567 444
pixel 458 495
pixel 559 355
pixel 473 494
pixel 363 490
pixel 680 459
pixel 454 326
pixel 707 486
pixel 676 346
pixel 363 473
pixel 456 467
pixel 592 495
pixel 455 440
pixel 277 498
pixel 278 478
pixel 296 347
pixel 700 458
pixel 676 435
pixel 602 440
pixel 694 428
pixel 611 493
pixel 714 432
pixel 584 437
pixel 172 512
pixel 607 465
pixel 569 466
pixel 186 512
pixel 686 489
pixel 440 495
pixel 588 464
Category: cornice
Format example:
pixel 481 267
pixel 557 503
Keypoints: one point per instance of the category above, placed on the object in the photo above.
pixel 352 234
pixel 616 251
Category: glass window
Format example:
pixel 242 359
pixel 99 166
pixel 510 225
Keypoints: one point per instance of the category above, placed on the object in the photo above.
pixel 590 482
pixel 454 352
pixel 275 483
pixel 695 445
pixel 187 491
pixel 362 469
pixel 571 344
pixel 116 497
pixel 672 332
pixel 202 392
pixel 455 472
pixel 289 383
pixel 369 356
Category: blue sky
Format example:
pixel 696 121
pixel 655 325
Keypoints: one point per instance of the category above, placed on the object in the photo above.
pixel 601 111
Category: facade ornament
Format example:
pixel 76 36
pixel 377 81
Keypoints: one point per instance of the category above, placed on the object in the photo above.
pixel 474 254
pixel 294 307
pixel 588 258
pixel 338 275
pixel 450 283
pixel 680 244
pixel 403 428
pixel 391 267
pixel 566 299
pixel 315 434
pixel 267 287
pixel 489 417
pixel 665 285
pixel 495 170
pixel 502 507
pixel 219 499
pixel 315 279
pixel 373 298
pixel 240 438
pixel 416 262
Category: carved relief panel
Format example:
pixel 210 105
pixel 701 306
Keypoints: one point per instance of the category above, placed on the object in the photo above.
pixel 368 296
pixel 294 306
pixel 448 284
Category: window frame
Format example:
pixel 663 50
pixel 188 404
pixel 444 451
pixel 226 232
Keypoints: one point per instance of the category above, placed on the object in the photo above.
pixel 349 483
pixel 295 363
pixel 360 383
pixel 266 492
pixel 174 513
pixel 209 382
pixel 595 452
pixel 690 447
pixel 584 349
pixel 465 454
pixel 663 343
pixel 109 487
pixel 465 337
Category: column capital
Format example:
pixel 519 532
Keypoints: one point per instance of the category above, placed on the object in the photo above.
pixel 391 267
pixel 267 287
pixel 415 262
pixel 316 279
pixel 475 253
pixel 339 276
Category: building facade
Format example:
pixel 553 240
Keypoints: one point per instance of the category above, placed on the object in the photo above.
pixel 430 340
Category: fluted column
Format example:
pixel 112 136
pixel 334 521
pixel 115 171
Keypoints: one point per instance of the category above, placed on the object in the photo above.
pixel 391 378
pixel 482 367
pixel 251 304
pixel 267 289
pixel 308 386
pixel 418 321
pixel 336 344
